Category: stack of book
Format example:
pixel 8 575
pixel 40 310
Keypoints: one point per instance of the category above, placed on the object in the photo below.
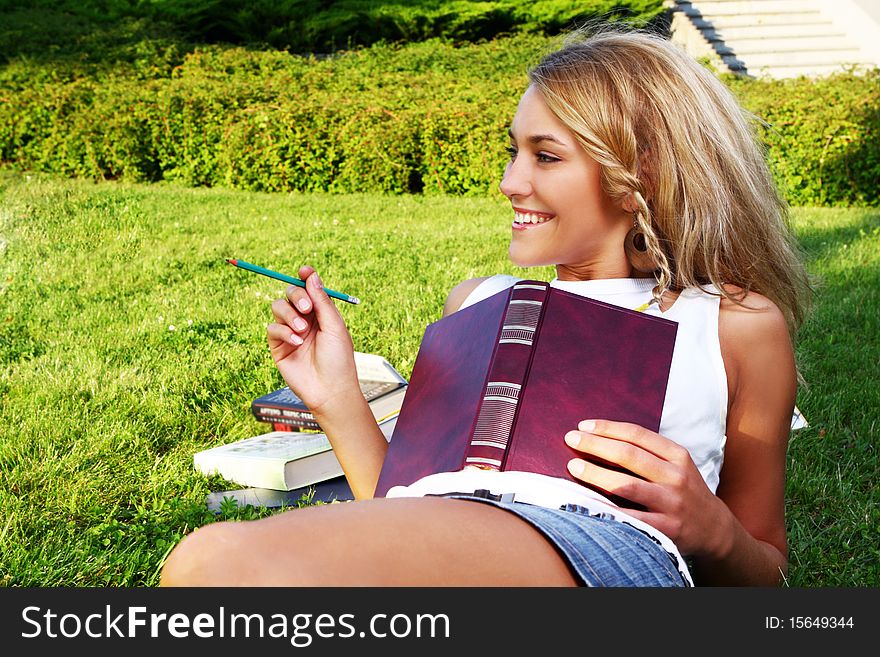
pixel 295 454
pixel 382 386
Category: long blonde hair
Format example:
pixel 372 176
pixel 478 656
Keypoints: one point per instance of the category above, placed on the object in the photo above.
pixel 670 136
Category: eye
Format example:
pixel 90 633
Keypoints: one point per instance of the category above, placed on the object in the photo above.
pixel 546 158
pixel 511 151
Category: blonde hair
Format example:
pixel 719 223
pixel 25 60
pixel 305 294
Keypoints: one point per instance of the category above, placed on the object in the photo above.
pixel 672 138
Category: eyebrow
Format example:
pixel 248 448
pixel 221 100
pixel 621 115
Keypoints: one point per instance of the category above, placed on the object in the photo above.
pixel 537 139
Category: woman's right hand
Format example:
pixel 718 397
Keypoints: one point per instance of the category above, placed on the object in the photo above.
pixel 311 345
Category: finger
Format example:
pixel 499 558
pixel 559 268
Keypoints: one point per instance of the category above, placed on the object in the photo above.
pixel 636 435
pixel 326 311
pixel 622 453
pixel 616 483
pixel 281 334
pixel 298 298
pixel 285 313
pixel 657 519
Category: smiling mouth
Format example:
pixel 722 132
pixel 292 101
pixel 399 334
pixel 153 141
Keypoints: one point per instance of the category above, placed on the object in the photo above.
pixel 523 218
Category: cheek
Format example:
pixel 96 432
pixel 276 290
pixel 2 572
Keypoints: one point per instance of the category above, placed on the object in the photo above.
pixel 573 194
pixel 588 209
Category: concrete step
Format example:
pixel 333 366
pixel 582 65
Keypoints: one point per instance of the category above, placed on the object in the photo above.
pixel 780 72
pixel 811 59
pixel 780 38
pixel 788 44
pixel 771 31
pixel 749 20
pixel 743 7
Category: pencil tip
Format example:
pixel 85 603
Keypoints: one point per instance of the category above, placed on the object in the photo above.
pixel 232 261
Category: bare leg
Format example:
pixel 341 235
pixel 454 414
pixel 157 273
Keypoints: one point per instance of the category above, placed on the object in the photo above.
pixel 430 541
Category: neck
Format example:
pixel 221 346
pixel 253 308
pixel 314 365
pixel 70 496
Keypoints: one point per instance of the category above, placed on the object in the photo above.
pixel 595 271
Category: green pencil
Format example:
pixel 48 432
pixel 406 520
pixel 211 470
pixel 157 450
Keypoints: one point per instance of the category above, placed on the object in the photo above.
pixel 289 279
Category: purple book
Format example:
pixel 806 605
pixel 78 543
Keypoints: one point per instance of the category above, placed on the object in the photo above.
pixel 497 385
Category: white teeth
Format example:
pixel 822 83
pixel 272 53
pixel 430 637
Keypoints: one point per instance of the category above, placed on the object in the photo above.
pixel 528 218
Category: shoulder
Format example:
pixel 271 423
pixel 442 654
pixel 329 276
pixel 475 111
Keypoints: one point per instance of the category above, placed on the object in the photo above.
pixel 745 318
pixel 459 293
pixel 756 346
pixel 466 291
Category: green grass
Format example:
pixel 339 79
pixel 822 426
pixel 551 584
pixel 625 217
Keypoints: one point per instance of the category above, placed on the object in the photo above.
pixel 833 513
pixel 103 403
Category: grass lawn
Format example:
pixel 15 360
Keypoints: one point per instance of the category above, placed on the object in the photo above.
pixel 127 344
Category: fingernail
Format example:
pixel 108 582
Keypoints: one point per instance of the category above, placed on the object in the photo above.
pixel 572 439
pixel 587 425
pixel 317 280
pixel 303 305
pixel 576 467
pixel 300 324
pixel 295 340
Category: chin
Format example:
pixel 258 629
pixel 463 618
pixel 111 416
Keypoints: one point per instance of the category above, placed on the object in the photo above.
pixel 523 259
pixel 517 257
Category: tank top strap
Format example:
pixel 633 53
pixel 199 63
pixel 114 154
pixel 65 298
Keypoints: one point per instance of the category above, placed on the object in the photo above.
pixel 695 302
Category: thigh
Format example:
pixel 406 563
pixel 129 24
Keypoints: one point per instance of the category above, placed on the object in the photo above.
pixel 431 541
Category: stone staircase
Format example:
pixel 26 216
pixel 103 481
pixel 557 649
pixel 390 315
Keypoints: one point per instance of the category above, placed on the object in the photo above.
pixel 779 38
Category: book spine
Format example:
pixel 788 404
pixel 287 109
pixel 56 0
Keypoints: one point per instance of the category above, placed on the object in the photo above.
pixel 510 362
pixel 279 412
pixel 296 423
pixel 277 426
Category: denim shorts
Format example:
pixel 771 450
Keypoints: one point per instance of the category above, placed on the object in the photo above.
pixel 600 551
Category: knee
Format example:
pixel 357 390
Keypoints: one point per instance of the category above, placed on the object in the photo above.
pixel 204 557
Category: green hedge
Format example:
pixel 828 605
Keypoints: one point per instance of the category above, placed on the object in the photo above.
pixel 426 117
pixel 329 25
pixel 822 137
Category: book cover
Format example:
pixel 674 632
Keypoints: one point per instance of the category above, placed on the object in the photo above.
pixel 382 386
pixel 498 384
pixel 289 420
pixel 332 490
pixel 277 460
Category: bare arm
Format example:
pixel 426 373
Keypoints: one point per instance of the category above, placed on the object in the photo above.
pixel 762 382
pixel 357 440
pixel 313 351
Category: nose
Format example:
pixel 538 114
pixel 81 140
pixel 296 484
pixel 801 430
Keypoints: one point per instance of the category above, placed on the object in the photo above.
pixel 516 180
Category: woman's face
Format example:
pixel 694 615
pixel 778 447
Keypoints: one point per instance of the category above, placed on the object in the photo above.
pixel 562 216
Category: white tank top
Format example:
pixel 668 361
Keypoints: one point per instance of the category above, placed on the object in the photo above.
pixel 694 412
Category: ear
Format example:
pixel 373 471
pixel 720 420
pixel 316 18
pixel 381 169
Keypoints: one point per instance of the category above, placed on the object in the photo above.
pixel 628 203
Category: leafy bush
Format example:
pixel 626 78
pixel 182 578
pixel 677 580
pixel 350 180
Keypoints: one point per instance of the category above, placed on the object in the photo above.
pixel 426 117
pixel 118 88
pixel 822 137
pixel 330 25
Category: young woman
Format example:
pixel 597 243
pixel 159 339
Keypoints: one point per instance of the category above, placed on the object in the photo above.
pixel 635 172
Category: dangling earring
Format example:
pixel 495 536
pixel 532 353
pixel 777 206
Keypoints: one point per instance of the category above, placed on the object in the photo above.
pixel 636 248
